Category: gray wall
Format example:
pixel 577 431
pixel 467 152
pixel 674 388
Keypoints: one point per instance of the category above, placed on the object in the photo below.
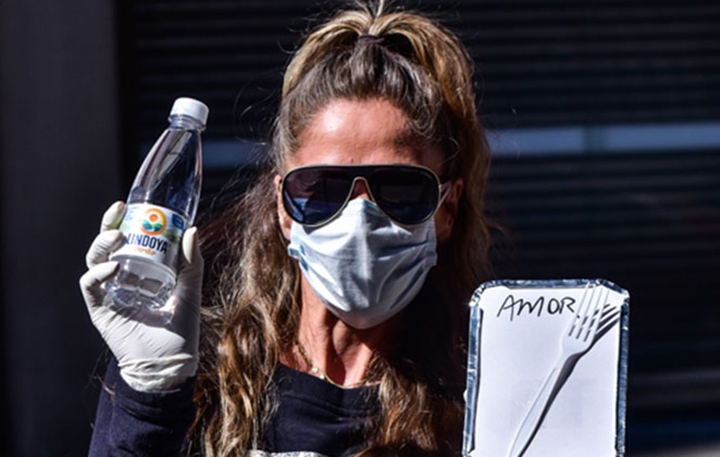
pixel 60 169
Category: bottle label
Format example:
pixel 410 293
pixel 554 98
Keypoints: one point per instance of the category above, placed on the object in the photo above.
pixel 152 232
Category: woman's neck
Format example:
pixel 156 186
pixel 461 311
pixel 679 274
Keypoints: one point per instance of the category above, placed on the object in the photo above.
pixel 327 347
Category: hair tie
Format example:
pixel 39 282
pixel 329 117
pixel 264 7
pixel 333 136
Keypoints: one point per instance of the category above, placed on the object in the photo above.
pixel 370 39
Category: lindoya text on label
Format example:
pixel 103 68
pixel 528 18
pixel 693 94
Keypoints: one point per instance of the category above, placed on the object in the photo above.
pixel 152 232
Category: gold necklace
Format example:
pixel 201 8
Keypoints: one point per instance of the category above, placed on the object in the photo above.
pixel 320 373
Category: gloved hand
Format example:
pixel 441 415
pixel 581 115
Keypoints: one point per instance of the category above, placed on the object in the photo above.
pixel 153 354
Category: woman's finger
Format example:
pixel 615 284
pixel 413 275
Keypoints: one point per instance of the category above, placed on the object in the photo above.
pixel 113 216
pixel 104 244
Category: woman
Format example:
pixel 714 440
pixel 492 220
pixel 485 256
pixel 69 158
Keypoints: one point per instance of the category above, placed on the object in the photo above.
pixel 335 290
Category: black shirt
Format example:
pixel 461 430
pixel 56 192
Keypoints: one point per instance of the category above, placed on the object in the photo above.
pixel 312 416
pixel 316 415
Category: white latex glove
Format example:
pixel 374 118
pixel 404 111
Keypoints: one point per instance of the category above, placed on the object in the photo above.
pixel 153 354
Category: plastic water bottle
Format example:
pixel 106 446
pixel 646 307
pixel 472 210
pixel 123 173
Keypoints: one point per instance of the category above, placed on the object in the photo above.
pixel 162 203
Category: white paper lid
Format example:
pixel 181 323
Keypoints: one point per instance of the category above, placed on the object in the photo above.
pixel 190 107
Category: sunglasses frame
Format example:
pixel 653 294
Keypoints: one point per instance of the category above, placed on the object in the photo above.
pixel 442 190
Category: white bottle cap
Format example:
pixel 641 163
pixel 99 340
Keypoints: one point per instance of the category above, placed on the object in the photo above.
pixel 190 107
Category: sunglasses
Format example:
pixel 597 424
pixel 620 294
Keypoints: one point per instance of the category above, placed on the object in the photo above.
pixel 316 194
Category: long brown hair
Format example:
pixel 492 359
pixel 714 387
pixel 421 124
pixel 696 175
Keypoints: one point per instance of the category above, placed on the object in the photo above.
pixel 251 305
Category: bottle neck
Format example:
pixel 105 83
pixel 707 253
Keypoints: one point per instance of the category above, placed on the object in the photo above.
pixel 186 122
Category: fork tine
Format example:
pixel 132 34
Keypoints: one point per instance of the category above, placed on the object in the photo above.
pixel 587 317
pixel 585 311
pixel 595 315
pixel 577 320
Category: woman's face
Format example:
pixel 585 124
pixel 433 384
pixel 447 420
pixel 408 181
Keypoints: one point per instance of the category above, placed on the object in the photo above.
pixel 368 132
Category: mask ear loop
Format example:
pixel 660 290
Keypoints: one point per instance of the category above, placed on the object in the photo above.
pixel 443 191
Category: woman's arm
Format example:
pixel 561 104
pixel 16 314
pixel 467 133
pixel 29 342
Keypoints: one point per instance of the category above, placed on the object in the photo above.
pixel 134 423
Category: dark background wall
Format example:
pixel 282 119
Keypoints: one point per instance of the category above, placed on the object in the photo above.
pixel 59 168
pixel 603 117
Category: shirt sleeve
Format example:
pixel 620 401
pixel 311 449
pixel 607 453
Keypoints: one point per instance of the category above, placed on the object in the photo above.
pixel 133 423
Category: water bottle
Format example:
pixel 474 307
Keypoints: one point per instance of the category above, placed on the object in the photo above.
pixel 161 205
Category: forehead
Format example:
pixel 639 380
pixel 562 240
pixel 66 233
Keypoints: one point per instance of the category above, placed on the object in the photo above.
pixel 362 132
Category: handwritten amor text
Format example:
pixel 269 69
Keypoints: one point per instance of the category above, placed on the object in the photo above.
pixel 516 307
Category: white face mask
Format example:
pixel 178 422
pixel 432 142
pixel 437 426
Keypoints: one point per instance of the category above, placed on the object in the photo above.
pixel 363 266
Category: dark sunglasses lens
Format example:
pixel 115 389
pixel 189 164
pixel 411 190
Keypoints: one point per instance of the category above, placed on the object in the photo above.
pixel 314 195
pixel 407 195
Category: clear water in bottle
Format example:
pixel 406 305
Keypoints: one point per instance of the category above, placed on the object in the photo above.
pixel 162 204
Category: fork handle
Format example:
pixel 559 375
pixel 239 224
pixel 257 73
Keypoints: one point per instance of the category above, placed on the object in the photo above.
pixel 535 415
